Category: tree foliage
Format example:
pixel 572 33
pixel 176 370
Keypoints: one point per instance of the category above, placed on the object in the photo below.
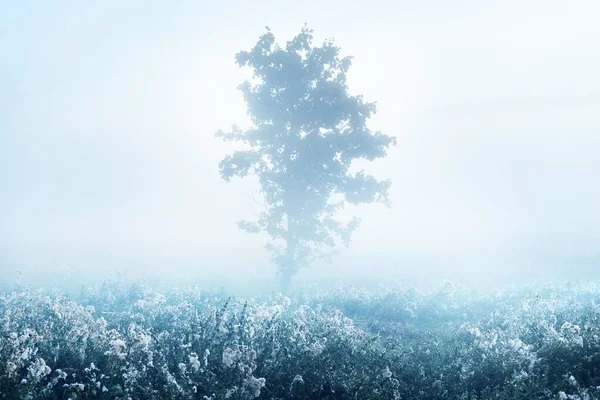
pixel 306 132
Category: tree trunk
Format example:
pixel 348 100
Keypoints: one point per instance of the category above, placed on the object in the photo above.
pixel 284 282
pixel 287 269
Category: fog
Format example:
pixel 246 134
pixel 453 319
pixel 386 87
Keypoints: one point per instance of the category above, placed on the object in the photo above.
pixel 108 159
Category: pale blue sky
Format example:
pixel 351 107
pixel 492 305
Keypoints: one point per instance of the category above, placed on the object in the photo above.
pixel 108 112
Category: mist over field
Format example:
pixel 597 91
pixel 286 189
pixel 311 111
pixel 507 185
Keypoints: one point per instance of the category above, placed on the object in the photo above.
pixel 179 184
pixel 109 161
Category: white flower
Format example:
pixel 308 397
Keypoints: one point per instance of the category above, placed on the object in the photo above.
pixel 297 381
pixel 387 373
pixel 117 344
pixel 205 358
pixel 570 327
pixel 57 311
pixel 118 347
pixel 230 356
pixel 11 367
pixel 231 392
pixel 316 348
pixel 141 304
pixel 143 340
pixel 194 361
pixel 25 354
pixel 515 343
pixel 562 395
pixel 572 380
pixel 38 369
pixel 253 386
pixel 475 332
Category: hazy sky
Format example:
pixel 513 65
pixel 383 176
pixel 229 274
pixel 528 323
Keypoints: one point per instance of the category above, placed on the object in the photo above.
pixel 108 112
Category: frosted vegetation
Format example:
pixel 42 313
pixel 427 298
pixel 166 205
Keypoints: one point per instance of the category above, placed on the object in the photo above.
pixel 129 341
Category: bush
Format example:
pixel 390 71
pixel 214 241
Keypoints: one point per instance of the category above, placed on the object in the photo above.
pixel 121 341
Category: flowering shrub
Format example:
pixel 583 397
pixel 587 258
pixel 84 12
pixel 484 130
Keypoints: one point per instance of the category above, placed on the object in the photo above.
pixel 123 341
pixel 183 346
pixel 532 342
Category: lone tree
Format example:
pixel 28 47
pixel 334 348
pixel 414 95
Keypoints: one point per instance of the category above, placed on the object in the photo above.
pixel 306 131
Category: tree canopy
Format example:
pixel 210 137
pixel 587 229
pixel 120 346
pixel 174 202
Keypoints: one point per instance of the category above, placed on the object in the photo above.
pixel 306 132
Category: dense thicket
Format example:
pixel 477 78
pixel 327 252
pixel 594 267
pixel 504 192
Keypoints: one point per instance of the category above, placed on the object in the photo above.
pixel 127 341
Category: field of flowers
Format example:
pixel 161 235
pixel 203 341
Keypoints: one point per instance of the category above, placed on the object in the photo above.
pixel 128 341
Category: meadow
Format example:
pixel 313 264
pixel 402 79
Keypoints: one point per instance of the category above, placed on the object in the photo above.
pixel 128 340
